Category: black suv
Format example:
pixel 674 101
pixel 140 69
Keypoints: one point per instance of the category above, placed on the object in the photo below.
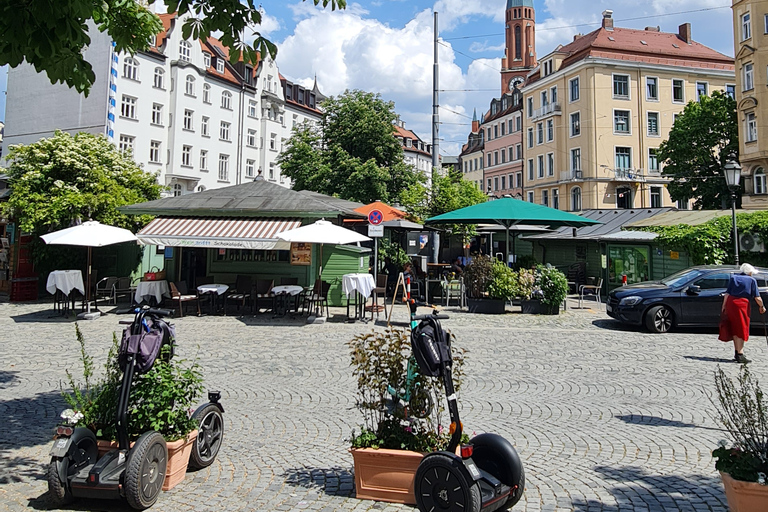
pixel 691 297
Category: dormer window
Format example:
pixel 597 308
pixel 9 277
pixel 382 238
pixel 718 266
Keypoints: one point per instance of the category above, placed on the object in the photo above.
pixel 185 50
pixel 206 60
pixel 220 65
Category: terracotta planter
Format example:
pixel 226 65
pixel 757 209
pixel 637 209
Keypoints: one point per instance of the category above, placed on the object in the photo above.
pixel 385 475
pixel 745 496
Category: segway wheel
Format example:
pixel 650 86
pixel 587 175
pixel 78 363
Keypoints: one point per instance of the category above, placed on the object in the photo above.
pixel 441 485
pixel 58 490
pixel 145 470
pixel 517 493
pixel 209 436
pixel 82 453
pixel 497 456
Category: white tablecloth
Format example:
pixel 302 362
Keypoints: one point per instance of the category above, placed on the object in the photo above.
pixel 288 289
pixel 154 289
pixel 218 289
pixel 362 283
pixel 66 281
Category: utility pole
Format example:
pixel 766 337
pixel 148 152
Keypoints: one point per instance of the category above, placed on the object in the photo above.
pixel 435 135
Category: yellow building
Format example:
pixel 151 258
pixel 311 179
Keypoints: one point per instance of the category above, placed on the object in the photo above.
pixel 750 33
pixel 597 109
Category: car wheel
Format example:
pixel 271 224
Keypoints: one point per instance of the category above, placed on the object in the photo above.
pixel 659 319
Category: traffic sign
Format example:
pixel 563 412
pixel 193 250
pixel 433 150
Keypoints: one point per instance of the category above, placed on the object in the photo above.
pixel 375 231
pixel 375 217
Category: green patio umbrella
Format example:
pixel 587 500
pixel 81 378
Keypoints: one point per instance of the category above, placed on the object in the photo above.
pixel 509 212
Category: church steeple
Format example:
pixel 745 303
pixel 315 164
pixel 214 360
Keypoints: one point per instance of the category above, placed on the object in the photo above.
pixel 520 53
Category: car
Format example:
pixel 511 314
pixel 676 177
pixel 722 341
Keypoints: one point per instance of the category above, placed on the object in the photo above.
pixel 690 298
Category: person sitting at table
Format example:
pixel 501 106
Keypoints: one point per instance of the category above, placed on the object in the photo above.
pixel 457 267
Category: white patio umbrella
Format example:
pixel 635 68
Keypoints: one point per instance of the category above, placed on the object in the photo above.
pixel 89 234
pixel 322 232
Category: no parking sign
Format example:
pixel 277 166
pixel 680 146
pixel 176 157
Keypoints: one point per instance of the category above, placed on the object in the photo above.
pixel 375 217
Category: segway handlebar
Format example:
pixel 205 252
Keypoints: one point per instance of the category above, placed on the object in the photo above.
pixel 436 317
pixel 146 310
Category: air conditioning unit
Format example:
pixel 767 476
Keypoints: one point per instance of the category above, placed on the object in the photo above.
pixel 751 243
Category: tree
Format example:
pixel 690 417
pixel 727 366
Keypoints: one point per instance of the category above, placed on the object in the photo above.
pixel 52 35
pixel 703 137
pixel 355 154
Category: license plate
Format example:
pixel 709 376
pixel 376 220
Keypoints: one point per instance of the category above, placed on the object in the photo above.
pixel 608 308
pixel 60 447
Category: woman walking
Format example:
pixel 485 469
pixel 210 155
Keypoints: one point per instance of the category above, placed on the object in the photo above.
pixel 734 316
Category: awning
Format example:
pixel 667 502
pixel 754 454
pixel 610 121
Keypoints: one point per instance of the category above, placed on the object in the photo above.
pixel 217 232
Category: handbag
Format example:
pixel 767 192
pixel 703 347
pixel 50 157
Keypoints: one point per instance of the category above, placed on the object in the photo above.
pixel 154 274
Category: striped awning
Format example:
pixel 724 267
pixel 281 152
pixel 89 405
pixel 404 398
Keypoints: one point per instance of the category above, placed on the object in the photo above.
pixel 214 232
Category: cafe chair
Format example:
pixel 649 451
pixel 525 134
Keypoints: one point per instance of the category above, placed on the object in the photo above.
pixel 453 289
pixel 180 298
pixel 105 289
pixel 241 293
pixel 593 290
pixel 123 287
pixel 381 289
pixel 261 291
pixel 319 297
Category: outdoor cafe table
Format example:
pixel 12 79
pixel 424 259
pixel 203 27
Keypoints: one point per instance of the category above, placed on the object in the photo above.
pixel 213 290
pixel 148 290
pixel 64 281
pixel 360 284
pixel 282 294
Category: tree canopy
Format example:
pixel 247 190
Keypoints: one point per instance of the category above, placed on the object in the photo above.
pixel 702 139
pixel 353 155
pixel 53 35
pixel 57 181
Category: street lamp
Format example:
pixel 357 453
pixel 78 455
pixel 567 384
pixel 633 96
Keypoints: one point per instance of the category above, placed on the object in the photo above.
pixel 732 173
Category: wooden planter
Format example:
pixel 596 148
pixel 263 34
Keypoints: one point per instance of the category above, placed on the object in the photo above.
pixel 385 475
pixel 536 307
pixel 487 306
pixel 745 496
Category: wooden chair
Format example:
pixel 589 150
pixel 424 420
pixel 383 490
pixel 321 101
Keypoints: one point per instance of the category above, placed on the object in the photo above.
pixel 262 290
pixel 307 293
pixel 179 297
pixel 381 289
pixel 319 297
pixel 241 293
pixel 591 290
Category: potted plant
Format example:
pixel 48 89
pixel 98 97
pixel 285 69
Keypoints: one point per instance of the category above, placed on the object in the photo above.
pixel 490 284
pixel 743 411
pixel 392 440
pixel 546 293
pixel 160 400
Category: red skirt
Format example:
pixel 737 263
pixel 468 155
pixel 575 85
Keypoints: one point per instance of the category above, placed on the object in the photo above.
pixel 735 319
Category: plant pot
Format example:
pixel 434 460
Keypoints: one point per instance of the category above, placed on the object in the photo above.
pixel 536 307
pixel 487 306
pixel 385 475
pixel 744 496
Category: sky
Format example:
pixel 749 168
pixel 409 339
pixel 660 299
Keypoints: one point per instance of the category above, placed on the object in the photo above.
pixel 387 47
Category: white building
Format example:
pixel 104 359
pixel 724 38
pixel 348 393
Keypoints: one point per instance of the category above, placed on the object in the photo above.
pixel 416 152
pixel 181 108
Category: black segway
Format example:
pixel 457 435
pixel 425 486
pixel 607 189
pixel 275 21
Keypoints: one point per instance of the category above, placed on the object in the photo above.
pixel 134 473
pixel 488 474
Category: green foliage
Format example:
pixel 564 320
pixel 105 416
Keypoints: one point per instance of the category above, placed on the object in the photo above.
pixel 379 359
pixel 526 282
pixel 355 154
pixel 478 275
pixel 53 36
pixel 700 142
pixel 553 284
pixel 503 283
pixel 743 411
pixel 392 253
pixel 527 262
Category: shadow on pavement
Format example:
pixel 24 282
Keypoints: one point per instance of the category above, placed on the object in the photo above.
pixel 654 421
pixel 43 502
pixel 331 481
pixel 7 378
pixel 614 325
pixel 710 359
pixel 20 469
pixel 30 421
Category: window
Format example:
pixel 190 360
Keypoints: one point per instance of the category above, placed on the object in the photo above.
pixel 550 130
pixel 224 131
pixel 204 127
pixel 128 107
pixel 730 90
pixel 186 156
pixel 544 101
pixel 176 190
pixel 655 197
pixel 746 27
pixel 529 110
pixel 541 166
pixel 682 204
pixel 489 134
pixel 206 60
pixel 652 88
pixel 760 182
pixel 653 123
pixel 130 69
pixel 701 90
pixel 518 180
pixel 188 120
pixel 621 86
pixel 223 167
pixel 251 108
pixel 678 91
pixel 530 169
pixel 219 64
pixel 550 164
pixel 185 50
pixel 226 100
pixel 623 158
pixel 540 133
pixel 751 127
pixel 713 281
pixel 511 125
pixel 207 93
pixel 576 159
pixel 159 79
pixel 189 86
pixel 653 160
pixel 273 142
pixel 154 151
pixel 489 184
pixel 489 160
pixel 621 121
pixel 511 154
pixel 503 156
pixel 203 159
pixel 519 151
pixel 545 197
pixel 272 171
pixel 573 88
pixel 251 140
pixel 530 197
pixel 530 137
pixel 503 125
pixel 766 24
pixel 575 124
pixel 518 123
pixel 250 168
pixel 749 80
pixel 495 183
pixel 553 94
pixel 576 199
pixel 126 143
pixel 157 114
pixel 496 131
pixel 555 199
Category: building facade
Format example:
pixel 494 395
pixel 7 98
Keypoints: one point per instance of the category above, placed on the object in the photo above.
pixel 750 31
pixel 597 109
pixel 471 156
pixel 503 151
pixel 416 152
pixel 180 108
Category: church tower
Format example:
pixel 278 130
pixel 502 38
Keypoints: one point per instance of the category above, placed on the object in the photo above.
pixel 520 53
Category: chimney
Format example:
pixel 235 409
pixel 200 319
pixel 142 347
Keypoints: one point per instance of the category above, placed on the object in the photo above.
pixel 576 36
pixel 607 19
pixel 684 32
pixel 653 29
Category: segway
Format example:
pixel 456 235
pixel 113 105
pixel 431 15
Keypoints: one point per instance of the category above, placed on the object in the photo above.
pixel 488 474
pixel 135 473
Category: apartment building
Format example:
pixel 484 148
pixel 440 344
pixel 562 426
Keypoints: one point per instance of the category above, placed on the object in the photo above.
pixel 750 31
pixel 471 156
pixel 597 109
pixel 416 152
pixel 503 149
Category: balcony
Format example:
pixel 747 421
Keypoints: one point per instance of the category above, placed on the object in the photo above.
pixel 573 175
pixel 631 175
pixel 548 109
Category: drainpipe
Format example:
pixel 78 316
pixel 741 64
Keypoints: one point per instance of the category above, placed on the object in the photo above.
pixel 238 179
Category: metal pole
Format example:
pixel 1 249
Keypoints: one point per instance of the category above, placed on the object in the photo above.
pixel 435 137
pixel 375 259
pixel 735 234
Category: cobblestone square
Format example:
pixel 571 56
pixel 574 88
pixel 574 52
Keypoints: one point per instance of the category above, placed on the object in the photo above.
pixel 604 418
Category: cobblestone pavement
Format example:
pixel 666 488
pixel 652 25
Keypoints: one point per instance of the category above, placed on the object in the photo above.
pixel 604 418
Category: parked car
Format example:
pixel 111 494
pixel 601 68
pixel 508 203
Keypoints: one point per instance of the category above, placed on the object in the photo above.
pixel 692 297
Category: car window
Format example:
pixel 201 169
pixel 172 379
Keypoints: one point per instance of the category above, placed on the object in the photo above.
pixel 713 281
pixel 681 277
pixel 761 280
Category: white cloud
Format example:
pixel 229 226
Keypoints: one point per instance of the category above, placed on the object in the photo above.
pixel 269 24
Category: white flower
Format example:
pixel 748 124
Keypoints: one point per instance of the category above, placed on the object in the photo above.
pixel 761 478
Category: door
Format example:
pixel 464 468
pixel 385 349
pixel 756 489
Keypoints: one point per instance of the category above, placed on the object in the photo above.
pixel 194 264
pixel 703 307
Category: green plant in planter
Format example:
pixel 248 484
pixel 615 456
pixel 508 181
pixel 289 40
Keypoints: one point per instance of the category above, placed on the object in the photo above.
pixel 553 285
pixel 379 359
pixel 477 275
pixel 526 282
pixel 503 283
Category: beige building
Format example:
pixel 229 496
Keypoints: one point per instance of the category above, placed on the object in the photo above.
pixel 750 32
pixel 597 109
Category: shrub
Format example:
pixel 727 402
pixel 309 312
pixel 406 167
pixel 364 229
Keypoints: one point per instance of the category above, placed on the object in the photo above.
pixel 553 284
pixel 503 283
pixel 477 275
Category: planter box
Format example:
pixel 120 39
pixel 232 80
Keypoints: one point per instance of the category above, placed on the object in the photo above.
pixel 487 306
pixel 745 496
pixel 385 475
pixel 536 307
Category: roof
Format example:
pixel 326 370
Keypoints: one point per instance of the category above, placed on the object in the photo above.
pixel 519 3
pixel 388 212
pixel 612 222
pixel 258 198
pixel 674 218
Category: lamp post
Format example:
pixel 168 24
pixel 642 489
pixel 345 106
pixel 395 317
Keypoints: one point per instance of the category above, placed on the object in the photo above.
pixel 732 173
